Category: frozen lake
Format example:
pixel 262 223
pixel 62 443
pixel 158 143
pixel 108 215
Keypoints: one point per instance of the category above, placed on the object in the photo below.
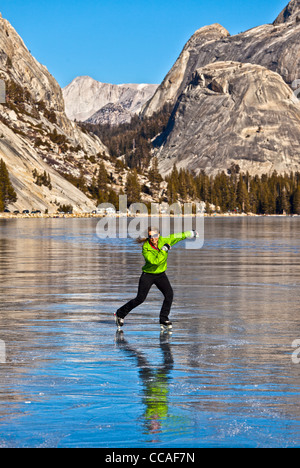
pixel 224 378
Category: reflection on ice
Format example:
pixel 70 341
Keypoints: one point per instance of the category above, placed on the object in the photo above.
pixel 225 378
pixel 154 381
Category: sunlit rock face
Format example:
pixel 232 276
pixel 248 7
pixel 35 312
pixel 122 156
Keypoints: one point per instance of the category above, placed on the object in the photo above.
pixel 275 46
pixel 233 113
pixel 36 134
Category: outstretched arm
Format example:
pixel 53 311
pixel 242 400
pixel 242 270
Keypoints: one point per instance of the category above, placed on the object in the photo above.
pixel 174 238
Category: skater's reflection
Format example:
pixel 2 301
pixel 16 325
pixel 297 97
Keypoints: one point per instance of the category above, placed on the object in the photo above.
pixel 155 381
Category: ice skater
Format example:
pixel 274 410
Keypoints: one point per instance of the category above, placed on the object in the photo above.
pixel 155 252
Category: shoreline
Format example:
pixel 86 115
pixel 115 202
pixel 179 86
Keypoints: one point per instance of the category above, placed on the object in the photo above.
pixel 99 216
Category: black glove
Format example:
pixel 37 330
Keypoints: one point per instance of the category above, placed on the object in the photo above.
pixel 166 247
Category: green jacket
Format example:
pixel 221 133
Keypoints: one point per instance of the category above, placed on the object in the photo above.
pixel 156 260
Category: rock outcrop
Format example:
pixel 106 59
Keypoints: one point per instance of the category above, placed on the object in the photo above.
pixel 275 46
pixel 89 100
pixel 233 113
pixel 111 114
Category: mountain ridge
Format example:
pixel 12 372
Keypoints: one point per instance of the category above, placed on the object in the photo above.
pixel 35 133
pixel 85 97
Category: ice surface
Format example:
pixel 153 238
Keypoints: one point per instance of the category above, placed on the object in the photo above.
pixel 224 378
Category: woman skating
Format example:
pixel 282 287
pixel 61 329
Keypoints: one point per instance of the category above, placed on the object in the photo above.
pixel 155 252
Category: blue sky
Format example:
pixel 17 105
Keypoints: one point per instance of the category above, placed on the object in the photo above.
pixel 123 41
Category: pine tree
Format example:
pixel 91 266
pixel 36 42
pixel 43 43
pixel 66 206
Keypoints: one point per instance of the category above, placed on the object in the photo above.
pixel 296 201
pixel 7 192
pixel 182 184
pixel 113 199
pixel 203 188
pixel 254 194
pixel 265 198
pixel 132 187
pixel 175 178
pixel 242 196
pixel 48 183
pixel 154 175
pixel 283 201
pixel 208 209
pixel 173 186
pixel 102 179
pixel 221 192
pixel 191 185
pixel 172 192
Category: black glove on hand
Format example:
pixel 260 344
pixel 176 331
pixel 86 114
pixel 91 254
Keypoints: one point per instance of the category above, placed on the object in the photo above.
pixel 166 247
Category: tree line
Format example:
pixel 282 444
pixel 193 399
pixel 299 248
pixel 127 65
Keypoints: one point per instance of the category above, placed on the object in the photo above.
pixel 235 191
pixel 230 190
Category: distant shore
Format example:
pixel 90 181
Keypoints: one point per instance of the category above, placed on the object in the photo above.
pixel 90 215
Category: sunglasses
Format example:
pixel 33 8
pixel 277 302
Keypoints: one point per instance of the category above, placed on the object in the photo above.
pixel 154 236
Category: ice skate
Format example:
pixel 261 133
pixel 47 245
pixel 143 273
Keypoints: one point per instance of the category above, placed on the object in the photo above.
pixel 119 322
pixel 166 325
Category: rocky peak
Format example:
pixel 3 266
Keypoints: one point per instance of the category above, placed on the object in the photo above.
pixel 290 13
pixel 204 38
pixel 17 62
pixel 272 46
pixel 85 98
pixel 208 33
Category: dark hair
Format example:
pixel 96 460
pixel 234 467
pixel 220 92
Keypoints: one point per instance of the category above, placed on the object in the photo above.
pixel 141 240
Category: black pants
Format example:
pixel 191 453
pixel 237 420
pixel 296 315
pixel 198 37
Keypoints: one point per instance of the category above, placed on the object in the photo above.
pixel 147 280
